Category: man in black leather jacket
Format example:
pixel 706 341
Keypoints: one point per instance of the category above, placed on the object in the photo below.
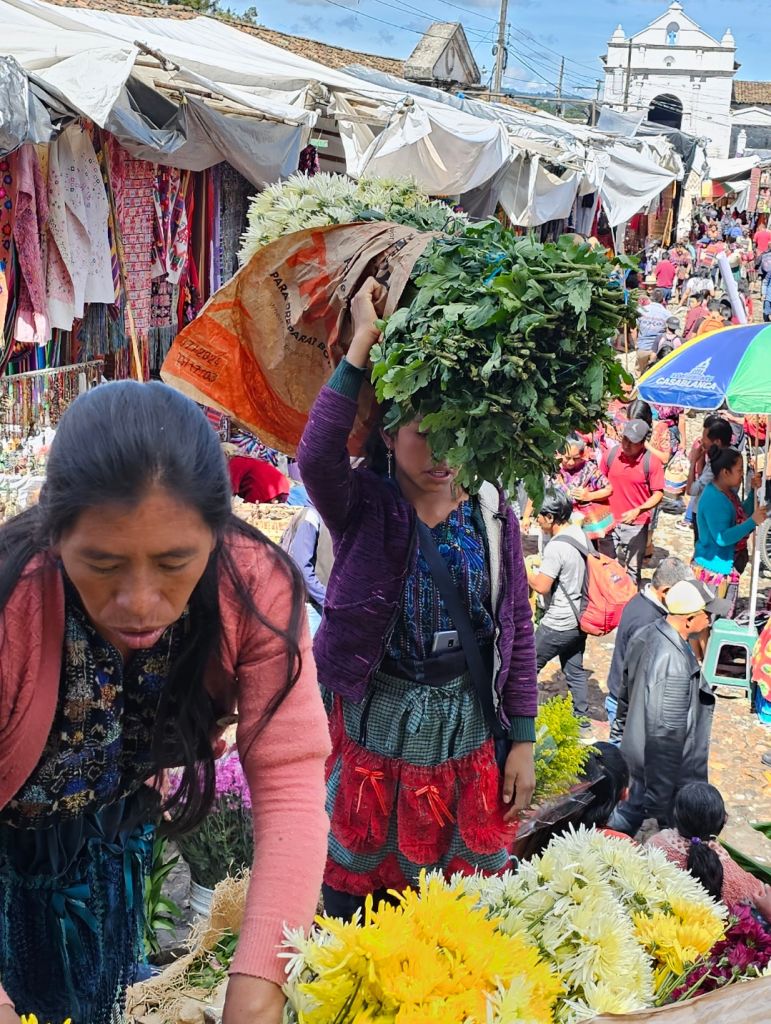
pixel 665 708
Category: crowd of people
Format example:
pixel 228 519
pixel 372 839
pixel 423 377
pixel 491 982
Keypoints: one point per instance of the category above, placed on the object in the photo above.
pixel 141 618
pixel 685 279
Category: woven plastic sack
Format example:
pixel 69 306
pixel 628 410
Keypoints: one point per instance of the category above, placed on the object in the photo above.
pixel 266 343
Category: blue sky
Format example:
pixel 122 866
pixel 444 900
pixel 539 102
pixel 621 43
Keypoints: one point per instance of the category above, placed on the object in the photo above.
pixel 541 30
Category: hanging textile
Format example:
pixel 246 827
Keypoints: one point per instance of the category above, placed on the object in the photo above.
pixel 134 184
pixel 163 320
pixel 80 268
pixel 215 260
pixel 170 226
pixel 102 330
pixel 102 157
pixel 309 161
pixel 234 205
pixel 31 217
pixel 7 200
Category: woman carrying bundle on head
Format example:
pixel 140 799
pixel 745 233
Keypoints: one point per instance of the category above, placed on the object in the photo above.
pixel 425 652
pixel 138 613
pixel 724 524
pixel 693 845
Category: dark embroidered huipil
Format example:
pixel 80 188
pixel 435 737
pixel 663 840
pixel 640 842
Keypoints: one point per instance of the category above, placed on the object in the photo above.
pixel 414 782
pixel 75 843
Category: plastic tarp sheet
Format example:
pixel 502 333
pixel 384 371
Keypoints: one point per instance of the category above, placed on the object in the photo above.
pixel 446 154
pixel 632 180
pixel 531 195
pixel 736 167
pixel 194 137
pixel 23 118
pixel 84 67
pixel 89 55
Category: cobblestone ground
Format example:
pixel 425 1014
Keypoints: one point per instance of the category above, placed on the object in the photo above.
pixel 738 739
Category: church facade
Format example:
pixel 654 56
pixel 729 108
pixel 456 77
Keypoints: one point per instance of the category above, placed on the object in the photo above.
pixel 675 74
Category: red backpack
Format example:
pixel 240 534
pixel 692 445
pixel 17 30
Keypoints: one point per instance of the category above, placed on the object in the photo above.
pixel 607 590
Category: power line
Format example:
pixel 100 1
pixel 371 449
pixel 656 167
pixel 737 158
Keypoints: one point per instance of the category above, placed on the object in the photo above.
pixel 537 42
pixel 404 8
pixel 381 21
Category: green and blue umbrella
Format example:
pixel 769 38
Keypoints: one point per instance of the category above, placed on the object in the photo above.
pixel 729 367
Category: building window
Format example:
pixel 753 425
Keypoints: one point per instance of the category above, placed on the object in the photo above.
pixel 673 30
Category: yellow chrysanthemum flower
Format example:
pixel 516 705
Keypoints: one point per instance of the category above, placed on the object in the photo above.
pixel 436 958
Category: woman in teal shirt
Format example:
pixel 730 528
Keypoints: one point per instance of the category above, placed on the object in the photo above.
pixel 725 523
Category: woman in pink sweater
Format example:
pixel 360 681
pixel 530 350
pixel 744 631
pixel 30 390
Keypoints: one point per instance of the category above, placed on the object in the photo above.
pixel 138 616
pixel 693 845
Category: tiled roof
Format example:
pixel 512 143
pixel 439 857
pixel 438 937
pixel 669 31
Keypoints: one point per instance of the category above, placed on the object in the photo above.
pixel 322 53
pixel 752 93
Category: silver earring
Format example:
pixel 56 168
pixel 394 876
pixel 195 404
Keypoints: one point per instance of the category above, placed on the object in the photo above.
pixel 390 457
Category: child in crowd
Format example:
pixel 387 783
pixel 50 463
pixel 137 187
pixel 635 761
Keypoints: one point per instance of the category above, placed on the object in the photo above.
pixel 591 806
pixel 692 844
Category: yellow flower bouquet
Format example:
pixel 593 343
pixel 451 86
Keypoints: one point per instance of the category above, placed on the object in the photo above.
pixel 594 925
pixel 434 957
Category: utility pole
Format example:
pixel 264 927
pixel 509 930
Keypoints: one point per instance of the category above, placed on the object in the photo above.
pixel 558 108
pixel 501 55
pixel 628 76
pixel 596 101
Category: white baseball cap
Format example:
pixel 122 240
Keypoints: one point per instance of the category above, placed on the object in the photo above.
pixel 691 596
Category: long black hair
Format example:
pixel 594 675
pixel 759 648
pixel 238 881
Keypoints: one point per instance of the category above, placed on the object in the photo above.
pixel 640 410
pixel 608 771
pixel 721 459
pixel 607 789
pixel 700 817
pixel 111 446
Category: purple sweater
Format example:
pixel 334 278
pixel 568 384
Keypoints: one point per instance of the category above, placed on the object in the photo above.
pixel 374 532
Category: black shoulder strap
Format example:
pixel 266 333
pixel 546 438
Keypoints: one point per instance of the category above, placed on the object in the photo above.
pixel 572 542
pixel 646 463
pixel 460 618
pixel 577 547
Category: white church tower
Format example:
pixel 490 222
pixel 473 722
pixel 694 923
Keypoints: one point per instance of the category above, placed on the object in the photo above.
pixel 677 75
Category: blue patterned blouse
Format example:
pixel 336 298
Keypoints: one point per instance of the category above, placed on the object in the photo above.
pixel 99 749
pixel 423 613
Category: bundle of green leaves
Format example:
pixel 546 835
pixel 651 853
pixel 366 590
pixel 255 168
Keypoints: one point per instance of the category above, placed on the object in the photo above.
pixel 503 348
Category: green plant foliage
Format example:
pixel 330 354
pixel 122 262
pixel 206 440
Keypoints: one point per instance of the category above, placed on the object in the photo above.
pixel 503 351
pixel 559 754
pixel 222 845
pixel 161 913
pixel 208 970
pixel 761 871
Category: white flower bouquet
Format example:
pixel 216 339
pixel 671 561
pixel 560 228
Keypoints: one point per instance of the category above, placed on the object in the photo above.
pixel 302 201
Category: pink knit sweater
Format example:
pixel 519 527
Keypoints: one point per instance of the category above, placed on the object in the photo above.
pixel 284 765
pixel 739 886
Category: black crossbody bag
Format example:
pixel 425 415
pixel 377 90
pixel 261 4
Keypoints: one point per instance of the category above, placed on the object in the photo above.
pixel 460 618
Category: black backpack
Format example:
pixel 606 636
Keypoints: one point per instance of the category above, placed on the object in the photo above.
pixel 646 463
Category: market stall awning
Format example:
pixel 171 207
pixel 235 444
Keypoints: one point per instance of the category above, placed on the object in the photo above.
pixel 446 151
pixel 157 108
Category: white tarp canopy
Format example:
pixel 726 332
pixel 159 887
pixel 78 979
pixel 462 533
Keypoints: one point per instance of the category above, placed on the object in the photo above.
pixel 388 127
pixel 736 167
pixel 446 151
pixel 632 181
pixel 89 62
pixel 636 170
